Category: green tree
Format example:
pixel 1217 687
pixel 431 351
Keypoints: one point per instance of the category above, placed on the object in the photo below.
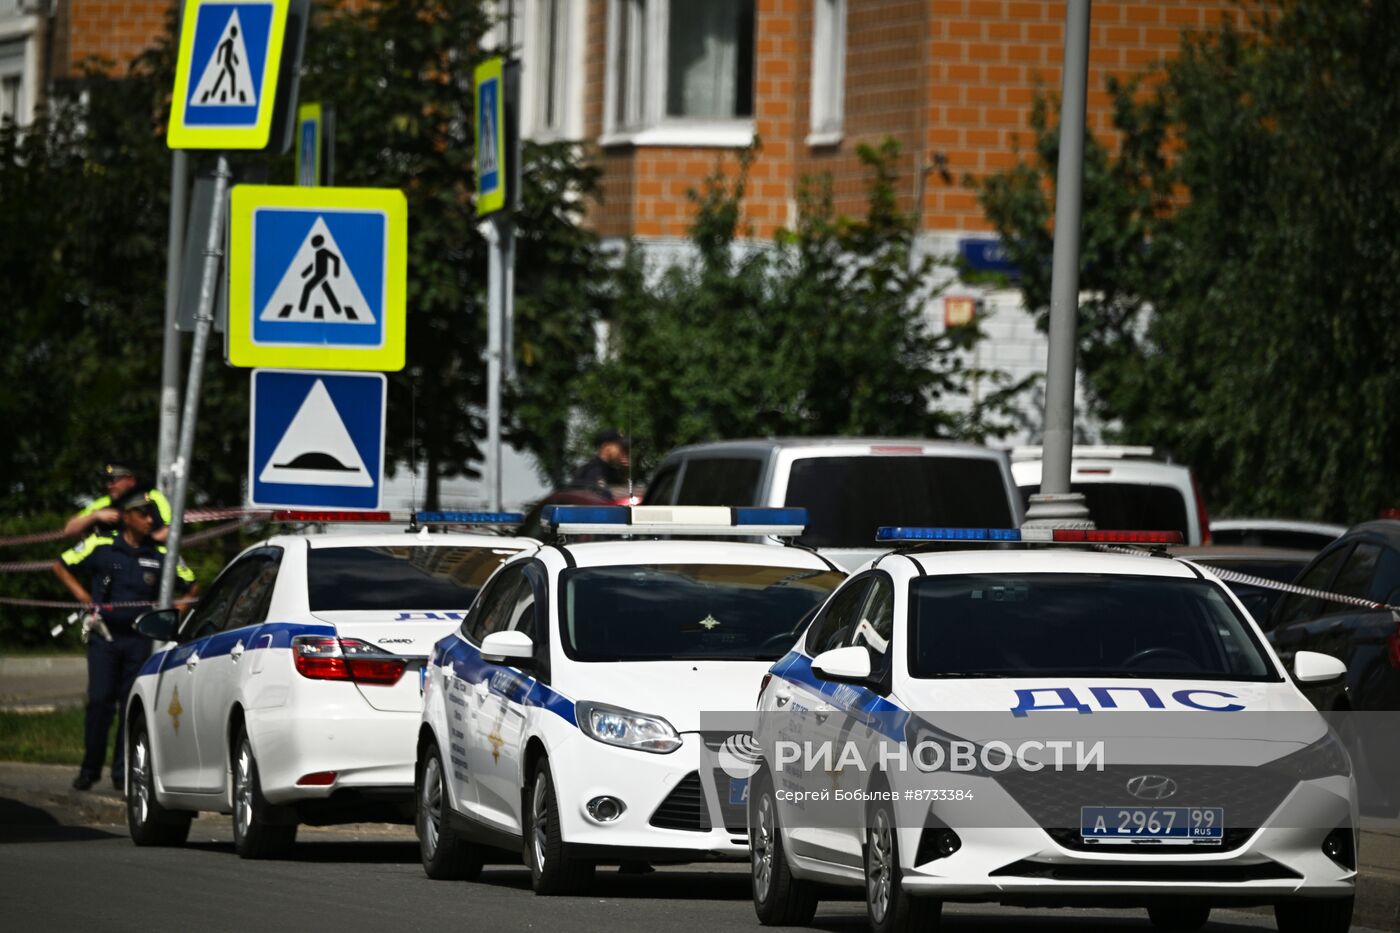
pixel 1240 249
pixel 819 332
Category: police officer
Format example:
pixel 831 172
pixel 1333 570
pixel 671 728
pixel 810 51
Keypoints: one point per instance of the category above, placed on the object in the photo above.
pixel 100 516
pixel 608 466
pixel 125 568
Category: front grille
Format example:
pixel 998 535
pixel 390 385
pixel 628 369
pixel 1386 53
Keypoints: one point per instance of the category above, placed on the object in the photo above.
pixel 684 807
pixel 1180 874
pixel 1249 795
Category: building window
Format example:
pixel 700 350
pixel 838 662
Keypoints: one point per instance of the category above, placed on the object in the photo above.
pixel 9 99
pixel 681 72
pixel 828 72
pixel 12 66
pixel 552 104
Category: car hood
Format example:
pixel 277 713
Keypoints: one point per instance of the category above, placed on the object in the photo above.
pixel 680 691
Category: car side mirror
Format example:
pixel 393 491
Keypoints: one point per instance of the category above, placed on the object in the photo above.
pixel 508 646
pixel 1315 669
pixel 159 624
pixel 845 665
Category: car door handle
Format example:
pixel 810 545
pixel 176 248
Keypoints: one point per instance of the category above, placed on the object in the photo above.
pixel 481 691
pixel 236 651
pixel 782 698
pixel 192 661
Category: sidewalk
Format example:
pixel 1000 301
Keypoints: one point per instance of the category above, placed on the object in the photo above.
pixel 41 684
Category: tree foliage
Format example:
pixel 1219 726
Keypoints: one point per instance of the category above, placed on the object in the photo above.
pixel 1239 257
pixel 820 332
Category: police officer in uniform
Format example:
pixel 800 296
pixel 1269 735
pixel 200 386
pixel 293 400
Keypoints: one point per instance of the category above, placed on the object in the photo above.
pixel 608 467
pixel 125 568
pixel 100 516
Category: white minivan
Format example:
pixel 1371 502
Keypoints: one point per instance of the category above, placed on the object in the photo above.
pixel 850 486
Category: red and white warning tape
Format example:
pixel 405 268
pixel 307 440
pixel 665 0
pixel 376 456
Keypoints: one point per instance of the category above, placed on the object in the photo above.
pixel 191 517
pixel 37 566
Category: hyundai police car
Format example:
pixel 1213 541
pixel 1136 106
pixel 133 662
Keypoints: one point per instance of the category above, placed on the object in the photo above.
pixel 562 718
pixel 292 692
pixel 1047 726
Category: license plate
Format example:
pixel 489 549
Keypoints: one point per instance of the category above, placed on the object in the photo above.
pixel 1180 825
pixel 738 791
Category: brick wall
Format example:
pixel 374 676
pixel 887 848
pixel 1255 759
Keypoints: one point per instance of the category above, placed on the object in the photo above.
pixel 115 31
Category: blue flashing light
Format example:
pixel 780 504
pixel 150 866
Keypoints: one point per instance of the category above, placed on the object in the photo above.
pixel 760 516
pixel 556 515
pixel 468 518
pixel 900 534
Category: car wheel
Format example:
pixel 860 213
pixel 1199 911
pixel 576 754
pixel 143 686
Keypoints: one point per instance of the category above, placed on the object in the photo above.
pixel 889 907
pixel 1314 915
pixel 1184 917
pixel 149 823
pixel 779 899
pixel 551 871
pixel 446 855
pixel 260 830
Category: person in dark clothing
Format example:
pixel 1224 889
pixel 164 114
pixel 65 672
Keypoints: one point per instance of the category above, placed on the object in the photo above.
pixel 609 465
pixel 100 515
pixel 123 569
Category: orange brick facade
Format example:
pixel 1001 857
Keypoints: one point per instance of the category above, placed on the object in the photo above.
pixel 113 31
pixel 942 77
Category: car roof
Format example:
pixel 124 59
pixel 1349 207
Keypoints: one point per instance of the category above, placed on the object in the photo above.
pixel 621 553
pixel 1211 553
pixel 1049 560
pixel 405 539
pixel 1277 524
pixel 766 444
pixel 1387 529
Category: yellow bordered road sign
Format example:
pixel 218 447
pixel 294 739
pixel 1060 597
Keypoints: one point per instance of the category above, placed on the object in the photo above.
pixel 490 136
pixel 226 75
pixel 317 277
pixel 309 131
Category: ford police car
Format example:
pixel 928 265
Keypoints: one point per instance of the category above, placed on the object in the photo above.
pixel 292 692
pixel 1047 726
pixel 562 718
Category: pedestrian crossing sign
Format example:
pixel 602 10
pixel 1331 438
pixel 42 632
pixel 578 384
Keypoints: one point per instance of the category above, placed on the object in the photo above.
pixel 226 77
pixel 309 144
pixel 490 136
pixel 317 278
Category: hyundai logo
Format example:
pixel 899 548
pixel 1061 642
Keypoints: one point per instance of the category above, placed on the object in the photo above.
pixel 1152 786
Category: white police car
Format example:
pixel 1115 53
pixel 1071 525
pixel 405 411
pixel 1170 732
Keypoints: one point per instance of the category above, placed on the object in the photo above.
pixel 293 690
pixel 563 717
pixel 1050 727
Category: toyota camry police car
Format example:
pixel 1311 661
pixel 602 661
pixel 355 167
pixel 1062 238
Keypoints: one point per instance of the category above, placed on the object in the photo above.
pixel 292 693
pixel 1047 726
pixel 563 716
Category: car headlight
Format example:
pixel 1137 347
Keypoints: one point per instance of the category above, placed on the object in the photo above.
pixel 1324 758
pixel 613 725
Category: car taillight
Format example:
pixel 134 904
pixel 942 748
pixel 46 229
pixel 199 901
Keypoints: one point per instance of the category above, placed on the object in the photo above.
pixel 762 686
pixel 1392 647
pixel 321 657
pixel 1202 518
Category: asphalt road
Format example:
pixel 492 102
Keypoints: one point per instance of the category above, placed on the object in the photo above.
pixel 64 877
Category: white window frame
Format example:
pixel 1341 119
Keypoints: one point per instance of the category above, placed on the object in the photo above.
pixel 24 29
pixel 568 70
pixel 828 111
pixel 646 122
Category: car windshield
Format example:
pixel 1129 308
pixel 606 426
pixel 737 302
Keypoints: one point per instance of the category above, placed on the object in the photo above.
pixel 685 612
pixel 1036 625
pixel 848 498
pixel 388 578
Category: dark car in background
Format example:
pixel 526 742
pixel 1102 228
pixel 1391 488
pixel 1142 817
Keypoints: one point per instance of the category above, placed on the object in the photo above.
pixel 1363 563
pixel 1281 565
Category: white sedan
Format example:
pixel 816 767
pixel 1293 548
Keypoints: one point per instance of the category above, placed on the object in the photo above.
pixel 291 694
pixel 1047 726
pixel 563 717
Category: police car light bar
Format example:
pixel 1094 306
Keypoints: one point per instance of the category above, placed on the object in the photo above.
pixel 325 515
pixel 674 520
pixel 469 518
pixel 902 535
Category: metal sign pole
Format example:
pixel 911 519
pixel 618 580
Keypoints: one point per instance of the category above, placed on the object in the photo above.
pixel 495 311
pixel 1055 505
pixel 170 347
pixel 204 321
